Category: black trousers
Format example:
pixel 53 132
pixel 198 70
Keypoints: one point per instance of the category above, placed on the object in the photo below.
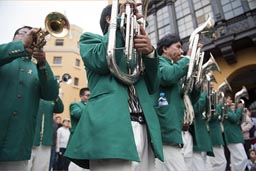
pixel 63 162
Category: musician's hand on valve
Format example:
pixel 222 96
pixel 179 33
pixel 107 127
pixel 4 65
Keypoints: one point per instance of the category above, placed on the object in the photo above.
pixel 142 42
pixel 39 55
pixel 28 40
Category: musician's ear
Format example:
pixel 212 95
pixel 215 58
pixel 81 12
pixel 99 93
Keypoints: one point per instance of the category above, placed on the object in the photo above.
pixel 108 19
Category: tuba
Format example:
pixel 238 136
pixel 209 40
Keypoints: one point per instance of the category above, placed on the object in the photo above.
pixel 130 27
pixel 56 24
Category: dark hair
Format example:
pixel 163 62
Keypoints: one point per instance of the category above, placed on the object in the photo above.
pixel 106 12
pixel 103 23
pixel 17 31
pixel 82 90
pixel 167 41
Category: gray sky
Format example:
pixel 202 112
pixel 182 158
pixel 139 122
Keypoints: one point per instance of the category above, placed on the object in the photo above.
pixel 15 14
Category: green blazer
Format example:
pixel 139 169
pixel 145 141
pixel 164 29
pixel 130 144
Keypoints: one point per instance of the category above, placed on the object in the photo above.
pixel 45 114
pixel 201 137
pixel 232 130
pixel 104 130
pixel 22 86
pixel 215 128
pixel 75 110
pixel 171 116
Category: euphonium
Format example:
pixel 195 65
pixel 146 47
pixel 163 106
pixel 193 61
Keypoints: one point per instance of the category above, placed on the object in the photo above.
pixel 211 96
pixel 56 24
pixel 223 87
pixel 130 26
pixel 196 56
pixel 196 61
pixel 242 93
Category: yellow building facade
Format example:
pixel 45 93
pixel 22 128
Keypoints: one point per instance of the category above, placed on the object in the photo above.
pixel 64 57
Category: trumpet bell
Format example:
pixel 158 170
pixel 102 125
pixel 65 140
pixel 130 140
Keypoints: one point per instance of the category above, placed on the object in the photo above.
pixel 57 24
pixel 66 78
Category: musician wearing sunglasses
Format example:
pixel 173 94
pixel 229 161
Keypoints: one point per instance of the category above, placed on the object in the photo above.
pixel 119 129
pixel 23 83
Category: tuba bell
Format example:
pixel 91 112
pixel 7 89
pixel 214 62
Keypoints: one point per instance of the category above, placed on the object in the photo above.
pixel 130 26
pixel 56 24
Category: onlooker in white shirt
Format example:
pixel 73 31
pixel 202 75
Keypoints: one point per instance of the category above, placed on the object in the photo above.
pixel 61 144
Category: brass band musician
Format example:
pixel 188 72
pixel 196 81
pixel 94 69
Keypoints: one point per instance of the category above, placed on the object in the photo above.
pixel 119 129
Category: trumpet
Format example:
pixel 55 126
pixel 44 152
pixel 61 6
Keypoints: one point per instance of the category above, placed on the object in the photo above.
pixel 56 24
pixel 130 26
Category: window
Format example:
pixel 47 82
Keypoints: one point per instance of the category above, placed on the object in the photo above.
pixel 57 60
pixel 77 63
pixel 59 42
pixel 163 21
pixel 202 10
pixel 252 4
pixel 184 18
pixel 151 29
pixel 185 26
pixel 231 8
pixel 76 81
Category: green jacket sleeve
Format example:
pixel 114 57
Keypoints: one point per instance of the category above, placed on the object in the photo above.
pixel 200 105
pixel 49 89
pixel 11 51
pixel 171 73
pixel 235 116
pixel 58 106
pixel 75 110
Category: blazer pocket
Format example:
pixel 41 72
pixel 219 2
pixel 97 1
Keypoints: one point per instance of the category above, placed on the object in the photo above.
pixel 161 110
